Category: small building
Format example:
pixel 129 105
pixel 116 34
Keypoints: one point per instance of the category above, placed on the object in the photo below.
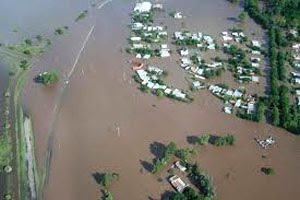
pixel 255 79
pixel 184 52
pixel 177 93
pixel 135 38
pixel 178 15
pixel 143 7
pixel 180 166
pixel 178 183
pixel 137 26
pixel 164 53
pixel 228 110
pixel 256 43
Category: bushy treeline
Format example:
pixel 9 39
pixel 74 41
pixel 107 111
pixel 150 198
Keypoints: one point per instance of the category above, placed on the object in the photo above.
pixel 204 139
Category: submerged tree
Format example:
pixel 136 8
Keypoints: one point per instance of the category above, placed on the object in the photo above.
pixel 47 78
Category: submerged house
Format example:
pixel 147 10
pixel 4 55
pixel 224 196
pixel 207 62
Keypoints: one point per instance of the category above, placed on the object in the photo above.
pixel 178 183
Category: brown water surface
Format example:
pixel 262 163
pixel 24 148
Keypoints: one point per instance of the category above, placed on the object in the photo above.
pixel 101 98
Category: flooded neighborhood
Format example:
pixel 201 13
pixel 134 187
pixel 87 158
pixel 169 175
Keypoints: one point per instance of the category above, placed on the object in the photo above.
pixel 152 99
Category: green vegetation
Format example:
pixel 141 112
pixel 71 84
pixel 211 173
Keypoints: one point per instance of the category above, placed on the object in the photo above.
pixel 47 78
pixel 107 195
pixel 203 139
pixel 5 150
pixel 159 163
pixel 242 16
pixel 187 194
pixel 107 178
pixel 268 171
pixel 82 15
pixel 185 153
pixel 222 140
pixel 201 181
pixel 144 18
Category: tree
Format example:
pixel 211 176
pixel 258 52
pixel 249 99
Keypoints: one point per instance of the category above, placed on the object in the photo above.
pixel 47 78
pixel 108 178
pixel 203 139
pixel 242 16
pixel 275 116
pixel 184 154
pixel 268 170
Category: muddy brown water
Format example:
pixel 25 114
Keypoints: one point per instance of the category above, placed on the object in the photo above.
pixel 101 98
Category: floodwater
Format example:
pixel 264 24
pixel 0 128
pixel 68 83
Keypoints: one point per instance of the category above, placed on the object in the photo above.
pixel 100 122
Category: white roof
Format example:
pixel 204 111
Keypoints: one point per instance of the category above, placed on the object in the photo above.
pixel 255 78
pixel 227 110
pixel 224 33
pixel 177 183
pixel 200 71
pixel 256 52
pixel 237 94
pixel 184 52
pixel 164 46
pixel 238 103
pixel 142 7
pixel 135 38
pixel 179 94
pixel 254 64
pixel 168 91
pixel 235 34
pixel 146 56
pixel 196 84
pixel 227 38
pixel 158 86
pixel 255 43
pixel 164 53
pixel 137 46
pixel 178 15
pixel 150 85
pixel 295 74
pixel 208 39
pixel 155 69
pixel 179 166
pixel 186 61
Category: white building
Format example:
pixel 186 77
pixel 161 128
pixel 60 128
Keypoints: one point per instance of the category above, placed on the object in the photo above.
pixel 143 7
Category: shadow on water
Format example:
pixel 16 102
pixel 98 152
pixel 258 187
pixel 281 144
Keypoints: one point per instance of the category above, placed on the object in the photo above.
pixel 157 149
pixel 233 19
pixel 192 139
pixel 97 177
pixel 166 195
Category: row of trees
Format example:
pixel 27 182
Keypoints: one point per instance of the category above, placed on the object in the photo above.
pixel 205 139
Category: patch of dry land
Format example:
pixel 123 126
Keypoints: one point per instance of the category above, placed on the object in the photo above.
pixel 104 123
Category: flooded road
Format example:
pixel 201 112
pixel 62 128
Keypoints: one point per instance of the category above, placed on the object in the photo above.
pixel 101 122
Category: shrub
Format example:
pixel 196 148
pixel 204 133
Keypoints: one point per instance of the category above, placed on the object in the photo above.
pixel 203 139
pixel 47 78
pixel 268 171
